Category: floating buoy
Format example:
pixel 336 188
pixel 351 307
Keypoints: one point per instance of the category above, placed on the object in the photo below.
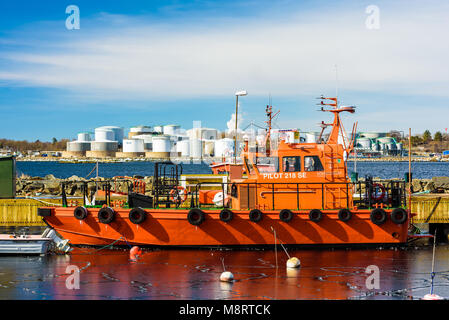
pixel 134 253
pixel 227 277
pixel 432 296
pixel 293 263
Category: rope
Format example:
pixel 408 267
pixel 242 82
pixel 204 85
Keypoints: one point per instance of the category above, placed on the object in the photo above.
pixel 45 202
pixel 91 171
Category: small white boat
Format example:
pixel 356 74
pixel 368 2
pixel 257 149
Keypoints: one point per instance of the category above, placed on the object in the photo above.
pixel 26 244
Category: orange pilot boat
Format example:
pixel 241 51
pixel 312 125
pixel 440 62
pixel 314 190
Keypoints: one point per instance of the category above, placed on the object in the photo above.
pixel 299 190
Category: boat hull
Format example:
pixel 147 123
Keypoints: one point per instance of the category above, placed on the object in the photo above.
pixel 170 227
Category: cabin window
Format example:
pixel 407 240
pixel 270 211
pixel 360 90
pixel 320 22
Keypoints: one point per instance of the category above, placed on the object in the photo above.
pixel 313 163
pixel 267 164
pixel 291 164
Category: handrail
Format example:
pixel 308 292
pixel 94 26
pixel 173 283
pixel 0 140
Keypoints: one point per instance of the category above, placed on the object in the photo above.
pixel 194 197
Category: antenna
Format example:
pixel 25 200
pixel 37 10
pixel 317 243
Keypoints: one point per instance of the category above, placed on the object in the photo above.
pixel 336 81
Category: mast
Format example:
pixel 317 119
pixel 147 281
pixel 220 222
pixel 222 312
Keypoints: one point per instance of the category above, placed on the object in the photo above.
pixel 270 116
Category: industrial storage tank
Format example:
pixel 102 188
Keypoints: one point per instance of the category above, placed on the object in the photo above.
pixel 118 133
pixel 171 129
pixel 104 146
pixel 84 136
pixel 133 145
pixel 386 140
pixel 371 135
pixel 391 146
pixel 209 147
pixel 363 143
pixel 312 137
pixel 183 147
pixel 196 148
pixel 78 146
pixel 161 144
pixel 104 134
pixel 224 147
pixel 159 129
pixel 147 141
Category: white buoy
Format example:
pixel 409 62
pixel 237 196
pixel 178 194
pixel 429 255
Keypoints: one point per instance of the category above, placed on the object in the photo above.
pixel 293 263
pixel 432 296
pixel 227 276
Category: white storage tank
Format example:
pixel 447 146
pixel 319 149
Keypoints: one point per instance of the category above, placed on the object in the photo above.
pixel 209 147
pixel 133 145
pixel 171 129
pixel 312 137
pixel 363 143
pixel 84 136
pixel 147 141
pixel 78 146
pixel 224 147
pixel 104 134
pixel 159 129
pixel 161 144
pixel 196 148
pixel 183 147
pixel 104 146
pixel 118 133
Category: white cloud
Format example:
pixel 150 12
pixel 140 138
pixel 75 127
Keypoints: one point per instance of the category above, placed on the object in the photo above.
pixel 133 58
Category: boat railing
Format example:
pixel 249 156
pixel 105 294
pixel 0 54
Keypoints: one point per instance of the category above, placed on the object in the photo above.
pixel 108 186
pixel 362 194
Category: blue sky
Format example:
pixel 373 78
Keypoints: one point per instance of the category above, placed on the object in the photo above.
pixel 162 62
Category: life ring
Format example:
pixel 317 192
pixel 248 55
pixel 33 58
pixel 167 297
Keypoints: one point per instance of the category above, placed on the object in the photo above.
pixel 137 215
pixel 374 195
pixel 378 216
pixel 399 216
pixel 106 215
pixel 344 215
pixel 80 213
pixel 195 217
pixel 226 215
pixel 315 215
pixel 255 215
pixel 178 194
pixel 286 215
pixel 234 190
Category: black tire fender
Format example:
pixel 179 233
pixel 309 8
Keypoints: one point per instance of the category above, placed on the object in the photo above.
pixel 106 215
pixel 344 215
pixel 399 216
pixel 286 215
pixel 80 213
pixel 315 215
pixel 137 215
pixel 195 217
pixel 255 215
pixel 226 215
pixel 378 216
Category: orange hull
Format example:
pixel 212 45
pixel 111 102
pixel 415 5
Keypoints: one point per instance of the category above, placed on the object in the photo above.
pixel 170 227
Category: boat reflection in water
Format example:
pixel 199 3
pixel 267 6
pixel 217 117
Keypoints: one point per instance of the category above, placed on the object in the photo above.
pixel 194 274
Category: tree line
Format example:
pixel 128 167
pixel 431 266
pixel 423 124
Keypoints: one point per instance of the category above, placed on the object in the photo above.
pixel 24 145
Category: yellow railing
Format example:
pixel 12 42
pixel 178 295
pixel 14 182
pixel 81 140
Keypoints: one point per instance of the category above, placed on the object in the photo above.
pixel 22 212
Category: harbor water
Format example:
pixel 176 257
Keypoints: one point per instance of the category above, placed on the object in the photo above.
pixel 404 274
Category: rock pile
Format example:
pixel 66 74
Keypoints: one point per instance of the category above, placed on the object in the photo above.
pixel 50 185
